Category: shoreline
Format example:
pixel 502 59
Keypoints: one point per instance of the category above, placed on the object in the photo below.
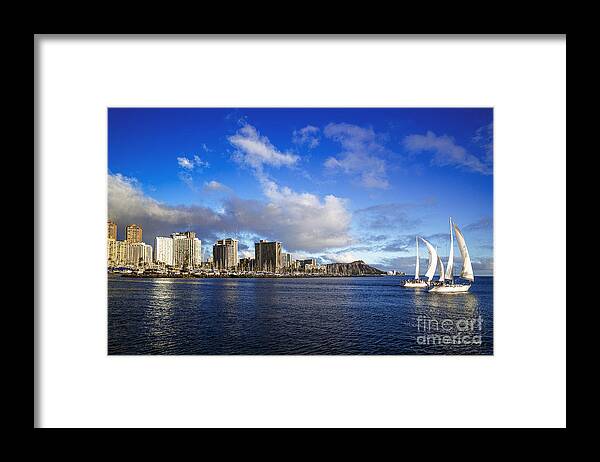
pixel 250 276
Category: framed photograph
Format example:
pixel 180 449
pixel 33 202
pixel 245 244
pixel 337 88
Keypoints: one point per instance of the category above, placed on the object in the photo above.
pixel 293 231
pixel 233 230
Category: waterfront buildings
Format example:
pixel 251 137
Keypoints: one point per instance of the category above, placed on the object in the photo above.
pixel 133 234
pixel 183 251
pixel 163 250
pixel 130 252
pixel 225 253
pixel 187 250
pixel 267 255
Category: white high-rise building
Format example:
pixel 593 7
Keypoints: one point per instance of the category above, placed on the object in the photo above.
pixel 187 250
pixel 121 252
pixel 139 254
pixel 197 261
pixel 163 250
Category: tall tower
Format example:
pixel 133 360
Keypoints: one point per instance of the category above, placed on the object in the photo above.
pixel 225 253
pixel 133 234
pixel 112 230
pixel 267 255
pixel 163 250
pixel 187 250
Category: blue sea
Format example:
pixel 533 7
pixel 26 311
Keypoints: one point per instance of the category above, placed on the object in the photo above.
pixel 304 316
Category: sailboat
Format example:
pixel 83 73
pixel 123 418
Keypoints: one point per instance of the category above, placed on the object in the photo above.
pixel 416 282
pixel 467 270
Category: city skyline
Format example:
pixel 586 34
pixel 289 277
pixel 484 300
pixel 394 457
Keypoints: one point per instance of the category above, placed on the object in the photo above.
pixel 224 251
pixel 331 184
pixel 224 255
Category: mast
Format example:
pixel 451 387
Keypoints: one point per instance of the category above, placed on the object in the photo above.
pixel 417 265
pixel 450 267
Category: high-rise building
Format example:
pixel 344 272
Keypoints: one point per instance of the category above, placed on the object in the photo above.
pixel 307 264
pixel 111 251
pixel 286 260
pixel 187 250
pixel 267 255
pixel 111 247
pixel 246 264
pixel 133 234
pixel 121 248
pixel 139 254
pixel 225 253
pixel 112 230
pixel 163 250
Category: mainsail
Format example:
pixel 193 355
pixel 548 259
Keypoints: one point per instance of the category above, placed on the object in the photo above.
pixel 467 269
pixel 432 260
pixel 441 268
pixel 450 267
pixel 417 265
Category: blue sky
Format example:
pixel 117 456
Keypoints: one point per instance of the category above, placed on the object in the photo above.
pixel 336 184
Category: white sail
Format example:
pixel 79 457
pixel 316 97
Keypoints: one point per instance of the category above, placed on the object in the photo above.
pixel 432 260
pixel 450 267
pixel 417 265
pixel 467 269
pixel 441 268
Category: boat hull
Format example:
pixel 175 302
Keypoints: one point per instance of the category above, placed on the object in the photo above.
pixel 415 285
pixel 451 289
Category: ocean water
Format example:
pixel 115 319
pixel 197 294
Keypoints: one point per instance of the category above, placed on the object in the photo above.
pixel 316 316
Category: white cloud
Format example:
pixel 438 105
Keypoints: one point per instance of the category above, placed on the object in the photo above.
pixel 127 203
pixel 186 163
pixel 308 136
pixel 198 162
pixel 447 152
pixel 484 138
pixel 340 257
pixel 362 154
pixel 248 253
pixel 191 163
pixel 214 185
pixel 301 221
pixel 255 150
pixel 188 179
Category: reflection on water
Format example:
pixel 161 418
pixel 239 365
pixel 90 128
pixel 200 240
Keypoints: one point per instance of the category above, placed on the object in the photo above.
pixel 295 316
pixel 159 316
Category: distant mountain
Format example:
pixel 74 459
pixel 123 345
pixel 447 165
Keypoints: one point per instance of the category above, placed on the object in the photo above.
pixel 356 268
